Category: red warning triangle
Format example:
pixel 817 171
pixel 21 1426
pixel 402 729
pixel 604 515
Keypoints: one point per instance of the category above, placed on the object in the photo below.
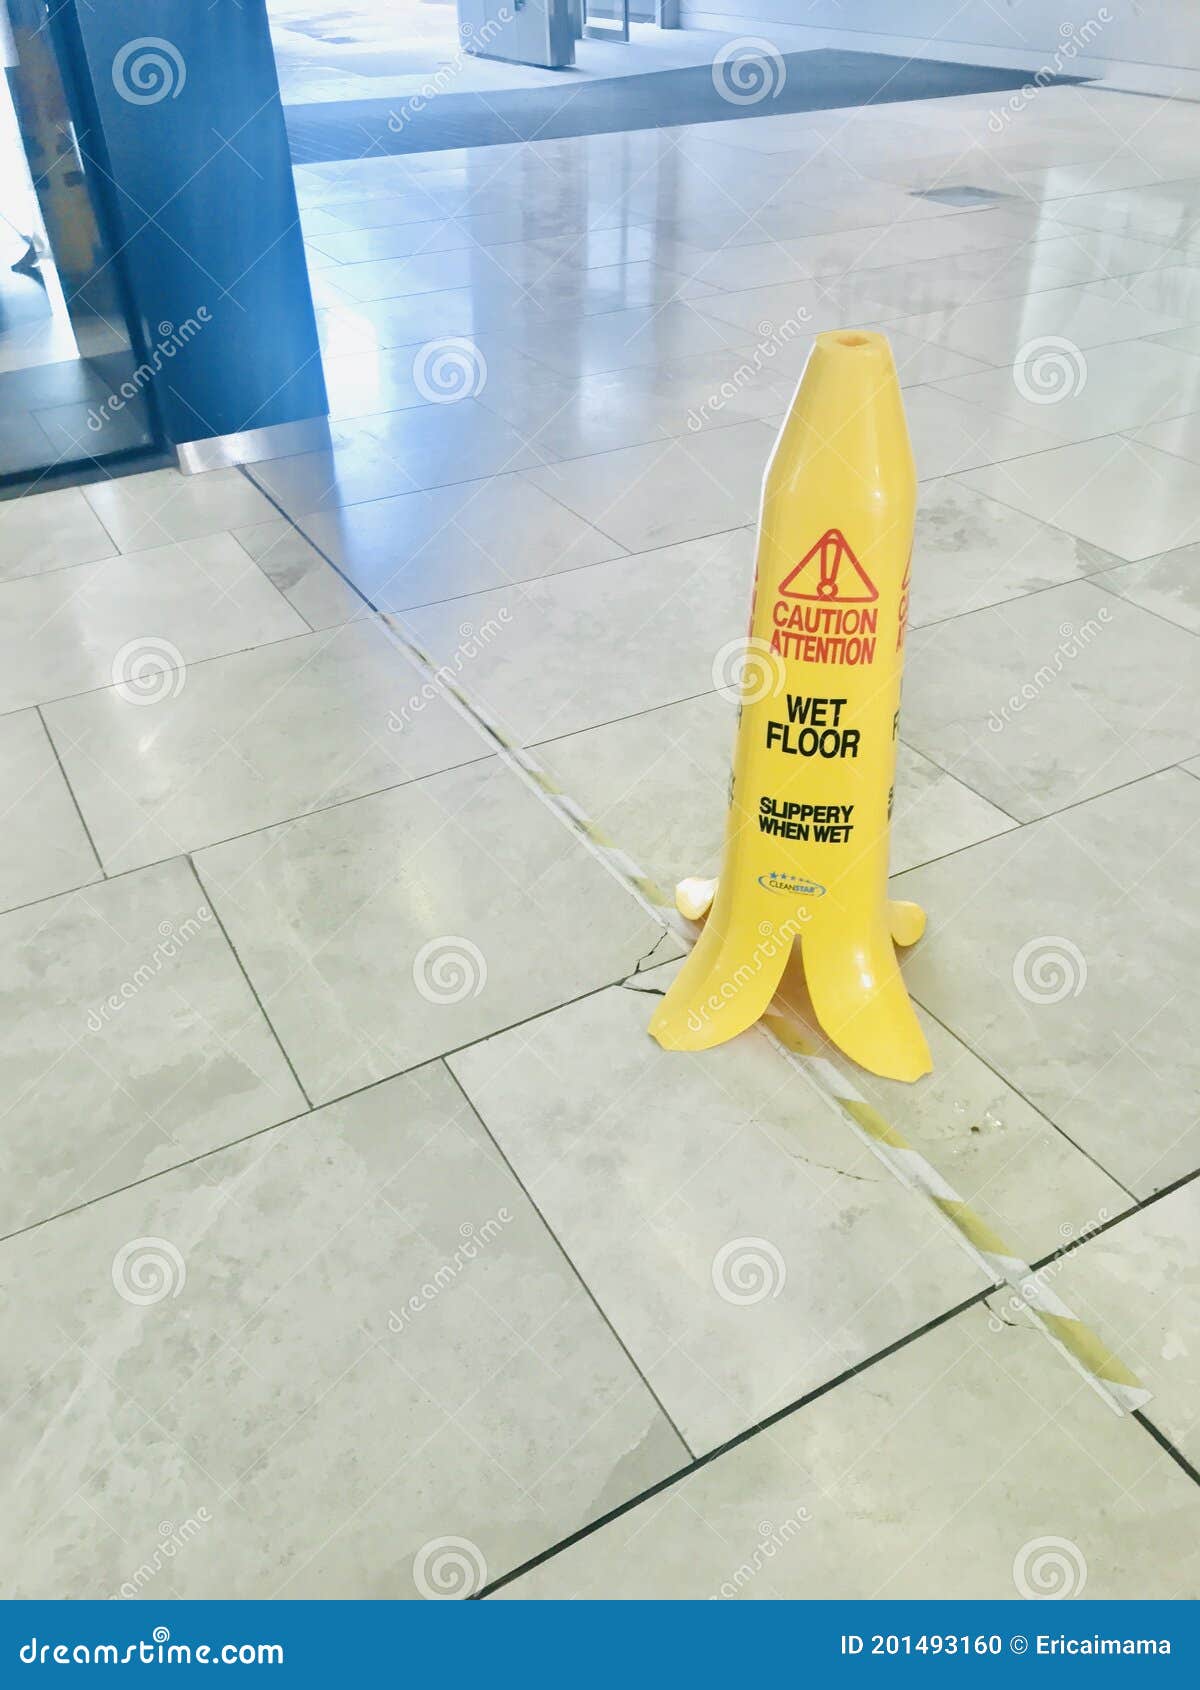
pixel 838 577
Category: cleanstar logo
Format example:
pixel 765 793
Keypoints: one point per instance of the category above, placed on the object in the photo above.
pixel 797 884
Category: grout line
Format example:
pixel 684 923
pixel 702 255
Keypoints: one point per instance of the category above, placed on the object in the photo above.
pixel 1139 1204
pixel 732 1443
pixel 567 1258
pixel 246 977
pixel 313 1108
pixel 1165 1443
pixel 304 633
pixel 980 1298
pixel 1010 1085
pixel 78 811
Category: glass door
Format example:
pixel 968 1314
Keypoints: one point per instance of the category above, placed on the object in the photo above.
pixel 70 392
pixel 606 20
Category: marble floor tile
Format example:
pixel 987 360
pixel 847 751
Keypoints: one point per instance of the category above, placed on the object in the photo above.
pixel 620 340
pixel 396 452
pixel 1067 181
pixel 657 782
pixel 1131 499
pixel 796 310
pixel 151 509
pixel 310 584
pixel 398 240
pixel 1097 254
pixel 592 645
pixel 131 1042
pixel 452 914
pixel 423 548
pixel 742 1153
pixel 970 552
pixel 656 495
pixel 254 739
pixel 1144 213
pixel 865 249
pixel 591 249
pixel 995 330
pixel 948 282
pixel 573 418
pixel 1137 1280
pixel 397 378
pixel 413 319
pixel 933 814
pixel 50 531
pixel 1168 585
pixel 825 1506
pixel 134 620
pixel 44 847
pixel 1030 1182
pixel 1186 340
pixel 669 1176
pixel 1081 395
pixel 382 209
pixel 1173 289
pixel 1178 435
pixel 919 361
pixel 544 279
pixel 949 435
pixel 330 1349
pixel 1044 701
pixel 1062 954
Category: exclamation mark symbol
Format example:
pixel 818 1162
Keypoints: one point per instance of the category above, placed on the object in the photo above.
pixel 830 554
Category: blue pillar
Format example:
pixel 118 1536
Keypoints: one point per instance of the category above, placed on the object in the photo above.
pixel 181 130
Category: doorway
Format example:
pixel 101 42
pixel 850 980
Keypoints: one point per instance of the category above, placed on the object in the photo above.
pixel 69 390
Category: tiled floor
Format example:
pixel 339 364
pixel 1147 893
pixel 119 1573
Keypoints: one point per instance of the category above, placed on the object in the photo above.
pixel 361 1242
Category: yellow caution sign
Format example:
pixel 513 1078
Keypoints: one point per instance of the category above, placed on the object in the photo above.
pixel 806 843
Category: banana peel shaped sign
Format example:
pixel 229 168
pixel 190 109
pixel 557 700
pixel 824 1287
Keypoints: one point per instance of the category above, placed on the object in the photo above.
pixel 806 844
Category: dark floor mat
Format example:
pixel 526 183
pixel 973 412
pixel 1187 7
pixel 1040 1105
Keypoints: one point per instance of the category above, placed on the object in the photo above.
pixel 815 81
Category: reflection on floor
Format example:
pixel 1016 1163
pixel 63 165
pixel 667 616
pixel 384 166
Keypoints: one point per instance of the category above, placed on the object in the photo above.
pixel 367 1245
